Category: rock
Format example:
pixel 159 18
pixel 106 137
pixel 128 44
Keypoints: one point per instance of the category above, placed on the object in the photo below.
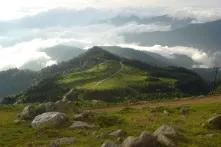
pixel 118 133
pixel 144 140
pixel 109 144
pixel 62 141
pixel 82 116
pixel 215 122
pixel 166 112
pixel 80 125
pixel 129 142
pixel 18 121
pixel 28 113
pixel 165 134
pixel 165 130
pixel 49 120
pixel 184 110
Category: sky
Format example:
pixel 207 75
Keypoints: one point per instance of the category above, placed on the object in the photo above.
pixel 27 26
pixel 12 9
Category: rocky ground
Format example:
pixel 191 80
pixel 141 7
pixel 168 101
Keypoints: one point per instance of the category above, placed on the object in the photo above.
pixel 193 122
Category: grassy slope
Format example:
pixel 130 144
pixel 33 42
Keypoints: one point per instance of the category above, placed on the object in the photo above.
pixel 130 119
pixel 106 76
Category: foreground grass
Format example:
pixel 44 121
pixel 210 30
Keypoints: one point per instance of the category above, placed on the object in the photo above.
pixel 131 119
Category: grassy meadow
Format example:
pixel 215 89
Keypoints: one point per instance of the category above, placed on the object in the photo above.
pixel 133 118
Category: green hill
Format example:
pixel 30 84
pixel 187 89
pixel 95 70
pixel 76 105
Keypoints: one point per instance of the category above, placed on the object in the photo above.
pixel 98 74
pixel 14 81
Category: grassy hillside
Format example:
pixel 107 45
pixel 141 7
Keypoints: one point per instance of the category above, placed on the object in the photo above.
pixel 98 74
pixel 104 76
pixel 132 118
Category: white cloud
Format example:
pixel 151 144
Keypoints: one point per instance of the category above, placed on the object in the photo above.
pixel 200 15
pixel 11 9
pixel 19 54
pixel 201 57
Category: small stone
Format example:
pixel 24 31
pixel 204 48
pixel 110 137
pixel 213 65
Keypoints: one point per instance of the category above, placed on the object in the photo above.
pixel 82 116
pixel 80 125
pixel 166 112
pixel 144 140
pixel 184 110
pixel 28 113
pixel 118 133
pixel 109 144
pixel 62 141
pixel 18 121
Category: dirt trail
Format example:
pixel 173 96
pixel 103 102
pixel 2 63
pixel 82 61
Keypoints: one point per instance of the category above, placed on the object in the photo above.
pixel 66 95
pixel 184 101
pixel 121 68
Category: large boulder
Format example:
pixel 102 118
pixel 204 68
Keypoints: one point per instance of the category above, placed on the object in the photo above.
pixel 109 144
pixel 118 133
pixel 165 135
pixel 62 141
pixel 215 122
pixel 28 113
pixel 49 120
pixel 144 140
pixel 80 125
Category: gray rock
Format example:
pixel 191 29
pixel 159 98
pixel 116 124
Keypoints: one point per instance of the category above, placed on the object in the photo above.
pixel 184 110
pixel 166 141
pixel 109 144
pixel 62 141
pixel 80 125
pixel 215 122
pixel 118 133
pixel 49 120
pixel 165 135
pixel 144 140
pixel 28 113
pixel 18 121
pixel 82 116
pixel 166 112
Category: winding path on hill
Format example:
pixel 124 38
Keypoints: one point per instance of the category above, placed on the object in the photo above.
pixel 118 71
pixel 64 98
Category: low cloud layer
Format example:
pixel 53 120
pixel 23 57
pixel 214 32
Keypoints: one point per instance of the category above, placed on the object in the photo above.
pixel 203 59
pixel 22 40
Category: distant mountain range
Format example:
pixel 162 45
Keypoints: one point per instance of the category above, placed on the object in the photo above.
pixel 206 36
pixel 150 57
pixel 14 81
pixel 160 20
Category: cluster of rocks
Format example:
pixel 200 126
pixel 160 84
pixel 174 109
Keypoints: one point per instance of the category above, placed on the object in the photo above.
pixel 44 116
pixel 30 111
pixel 164 135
